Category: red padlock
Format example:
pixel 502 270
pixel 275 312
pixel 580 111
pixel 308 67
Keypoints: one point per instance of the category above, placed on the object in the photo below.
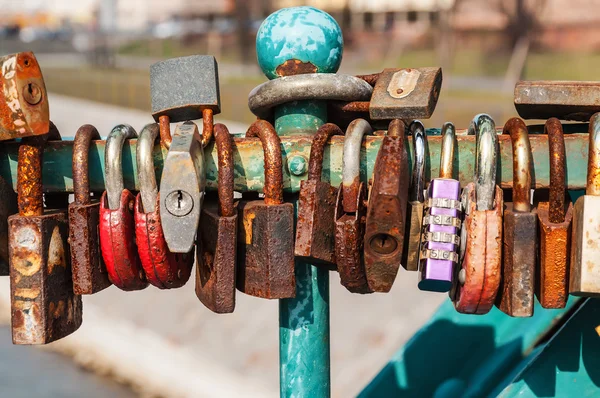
pixel 163 269
pixel 117 227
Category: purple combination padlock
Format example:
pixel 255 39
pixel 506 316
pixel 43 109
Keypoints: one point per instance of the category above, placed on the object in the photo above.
pixel 441 223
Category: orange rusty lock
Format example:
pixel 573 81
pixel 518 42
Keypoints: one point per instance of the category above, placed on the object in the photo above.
pixel 555 227
pixel 23 98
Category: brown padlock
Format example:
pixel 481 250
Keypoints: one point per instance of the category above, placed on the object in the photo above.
pixel 477 278
pixel 386 211
pixel 266 229
pixel 89 271
pixel 217 244
pixel 515 296
pixel 43 305
pixel 555 227
pixel 315 234
pixel 350 213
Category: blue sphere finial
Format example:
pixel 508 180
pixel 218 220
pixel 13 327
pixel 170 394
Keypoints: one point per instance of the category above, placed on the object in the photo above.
pixel 299 40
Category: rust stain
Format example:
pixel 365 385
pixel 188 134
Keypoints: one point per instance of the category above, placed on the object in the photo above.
pixel 273 188
pixel 295 67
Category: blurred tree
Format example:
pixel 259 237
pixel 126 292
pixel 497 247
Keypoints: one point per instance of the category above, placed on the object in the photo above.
pixel 242 16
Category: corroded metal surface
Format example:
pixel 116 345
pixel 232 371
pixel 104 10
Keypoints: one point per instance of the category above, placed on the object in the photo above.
pixel 478 277
pixel 162 268
pixel 406 93
pixel 349 241
pixel 555 244
pixel 554 227
pixel 216 252
pixel 266 229
pixel 248 155
pixel 515 296
pixel 8 207
pixel 89 271
pixel 117 242
pixel 43 305
pixel 315 236
pixel 566 100
pixel 24 101
pixel 295 67
pixel 386 212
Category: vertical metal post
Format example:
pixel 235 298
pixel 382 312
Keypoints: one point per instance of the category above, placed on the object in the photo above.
pixel 281 42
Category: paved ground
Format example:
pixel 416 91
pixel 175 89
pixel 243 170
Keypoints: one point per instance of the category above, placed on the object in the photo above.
pixel 27 372
pixel 166 342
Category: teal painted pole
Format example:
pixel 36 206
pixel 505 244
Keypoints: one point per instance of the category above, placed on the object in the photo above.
pixel 296 40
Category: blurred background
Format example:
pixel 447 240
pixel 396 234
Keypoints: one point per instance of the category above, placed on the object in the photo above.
pixel 95 57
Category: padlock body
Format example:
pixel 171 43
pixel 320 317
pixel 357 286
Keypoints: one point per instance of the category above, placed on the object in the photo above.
pixel 43 305
pixel 216 260
pixel 89 270
pixel 412 248
pixel 8 207
pixel 349 234
pixel 436 274
pixel 20 74
pixel 555 252
pixel 315 236
pixel 117 242
pixel 266 250
pixel 515 296
pixel 482 256
pixel 584 278
pixel 163 269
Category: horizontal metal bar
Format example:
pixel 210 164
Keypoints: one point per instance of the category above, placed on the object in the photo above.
pixel 249 165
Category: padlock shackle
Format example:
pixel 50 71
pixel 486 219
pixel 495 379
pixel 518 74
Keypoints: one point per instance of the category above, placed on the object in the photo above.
pixel 81 148
pixel 29 177
pixel 271 143
pixel 593 171
pixel 448 149
pixel 417 179
pixel 522 163
pixel 556 148
pixel 317 148
pixel 396 128
pixel 113 167
pixel 145 166
pixel 486 156
pixel 224 143
pixel 351 163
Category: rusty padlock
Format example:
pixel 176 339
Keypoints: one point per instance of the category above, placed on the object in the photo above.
pixel 315 232
pixel 477 280
pixel 517 285
pixel 440 238
pixel 163 269
pixel 117 226
pixel 8 207
pixel 416 198
pixel 89 270
pixel 350 213
pixel 216 250
pixel 23 98
pixel 584 278
pixel 43 305
pixel 386 211
pixel 555 227
pixel 266 229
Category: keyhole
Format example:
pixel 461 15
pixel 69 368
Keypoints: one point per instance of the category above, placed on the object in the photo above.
pixel 179 199
pixel 383 244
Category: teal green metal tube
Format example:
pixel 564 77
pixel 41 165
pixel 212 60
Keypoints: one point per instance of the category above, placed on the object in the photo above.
pixel 304 353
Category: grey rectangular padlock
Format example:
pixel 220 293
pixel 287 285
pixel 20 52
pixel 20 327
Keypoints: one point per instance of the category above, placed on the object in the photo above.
pixel 181 88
